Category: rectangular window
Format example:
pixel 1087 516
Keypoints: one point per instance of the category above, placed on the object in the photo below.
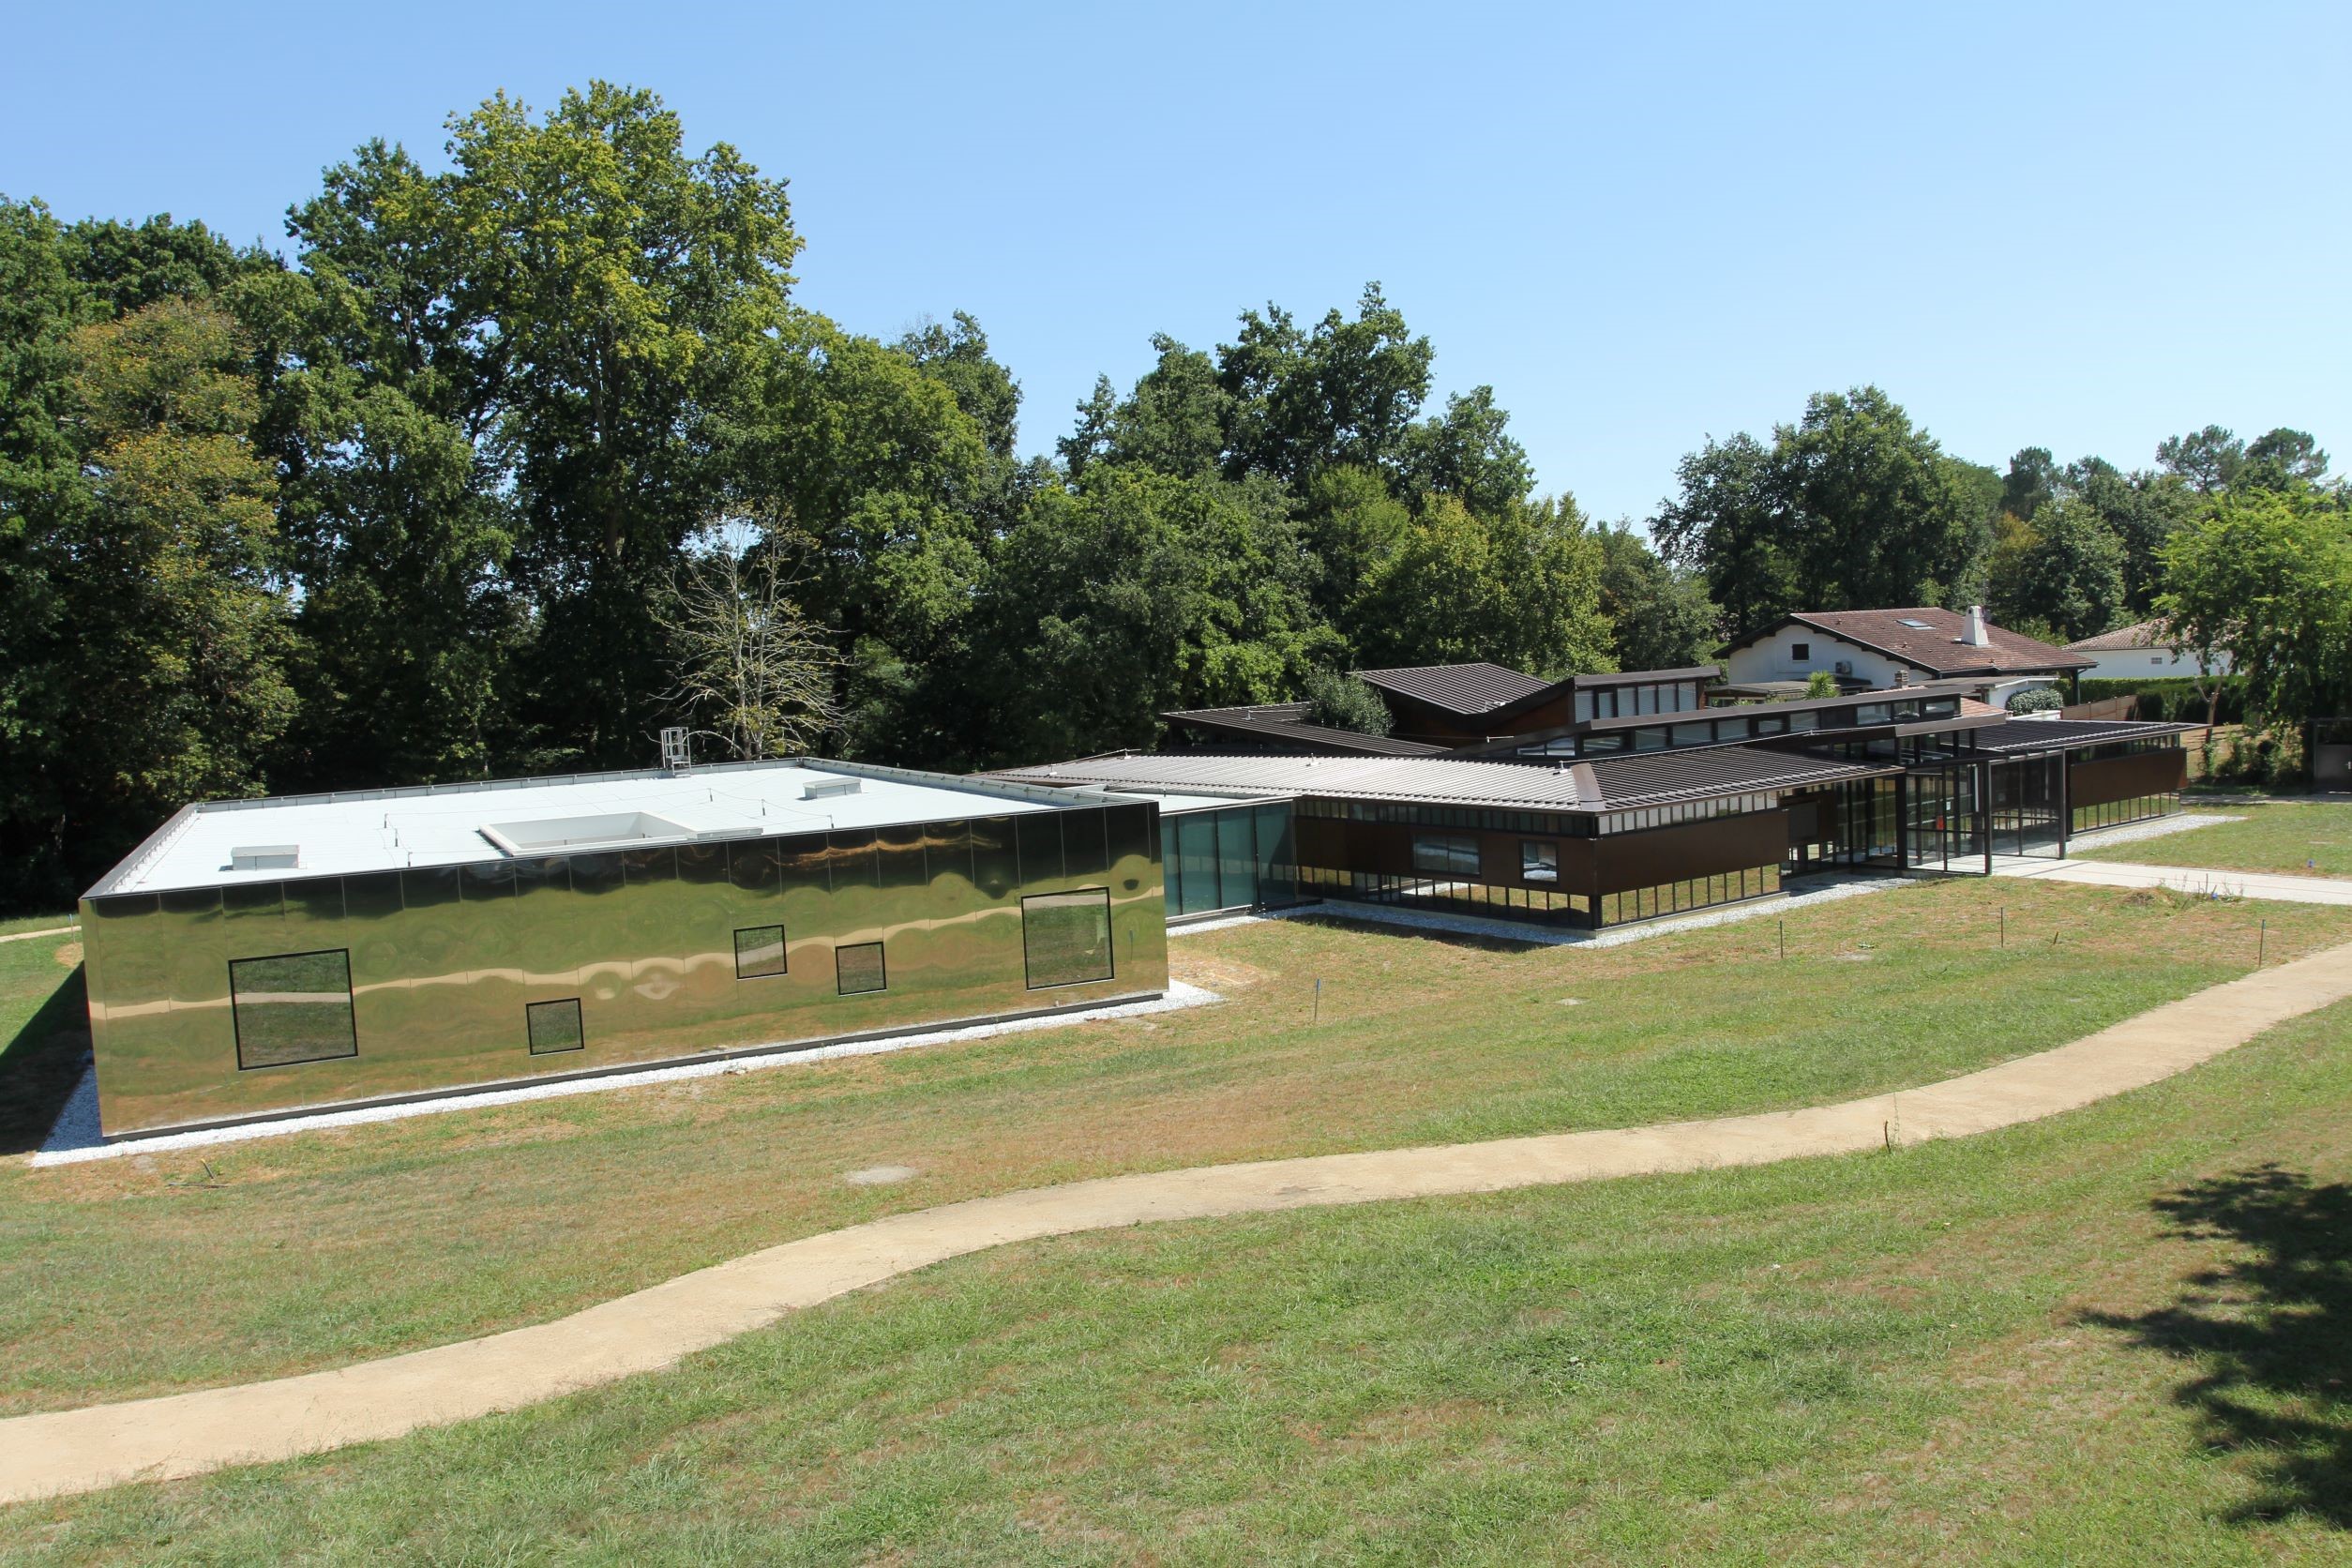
pixel 1065 937
pixel 553 1026
pixel 1693 734
pixel 1538 861
pixel 1801 652
pixel 859 967
pixel 1445 855
pixel 292 1007
pixel 1875 712
pixel 1771 724
pixel 759 952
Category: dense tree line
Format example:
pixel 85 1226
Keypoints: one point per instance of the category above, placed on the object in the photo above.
pixel 442 493
pixel 433 497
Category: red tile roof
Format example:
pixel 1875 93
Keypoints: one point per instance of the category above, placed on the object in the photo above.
pixel 1935 645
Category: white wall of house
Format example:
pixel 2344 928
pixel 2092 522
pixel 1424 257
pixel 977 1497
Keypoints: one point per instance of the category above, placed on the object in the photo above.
pixel 1793 653
pixel 2147 664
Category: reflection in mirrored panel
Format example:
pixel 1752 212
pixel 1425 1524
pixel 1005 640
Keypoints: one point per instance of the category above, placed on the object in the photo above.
pixel 293 1008
pixel 759 952
pixel 553 1026
pixel 858 968
pixel 1065 937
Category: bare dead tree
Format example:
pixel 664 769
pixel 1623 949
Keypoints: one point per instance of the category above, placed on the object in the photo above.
pixel 753 671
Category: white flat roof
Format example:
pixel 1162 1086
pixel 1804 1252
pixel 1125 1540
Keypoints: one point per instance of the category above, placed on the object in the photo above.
pixel 382 830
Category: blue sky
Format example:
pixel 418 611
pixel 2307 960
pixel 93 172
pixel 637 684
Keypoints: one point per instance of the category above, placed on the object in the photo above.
pixel 2084 228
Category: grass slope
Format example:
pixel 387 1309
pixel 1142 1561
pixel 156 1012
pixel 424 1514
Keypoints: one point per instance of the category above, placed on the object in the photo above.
pixel 297 1253
pixel 2271 839
pixel 2121 1334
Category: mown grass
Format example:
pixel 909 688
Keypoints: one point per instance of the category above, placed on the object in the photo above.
pixel 13 925
pixel 2298 839
pixel 2123 1334
pixel 159 1271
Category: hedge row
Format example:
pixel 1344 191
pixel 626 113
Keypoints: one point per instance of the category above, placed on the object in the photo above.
pixel 2170 699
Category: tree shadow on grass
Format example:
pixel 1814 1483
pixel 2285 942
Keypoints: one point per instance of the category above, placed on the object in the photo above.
pixel 2269 1333
pixel 40 1063
pixel 1485 942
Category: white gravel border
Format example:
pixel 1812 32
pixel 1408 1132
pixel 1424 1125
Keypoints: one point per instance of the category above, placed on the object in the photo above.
pixel 75 1138
pixel 2163 827
pixel 1823 888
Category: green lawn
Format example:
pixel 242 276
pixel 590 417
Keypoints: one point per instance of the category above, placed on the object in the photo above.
pixel 14 923
pixel 166 1271
pixel 2122 1335
pixel 2278 838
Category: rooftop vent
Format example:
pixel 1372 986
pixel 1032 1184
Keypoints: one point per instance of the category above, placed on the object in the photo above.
pixel 266 857
pixel 552 834
pixel 826 788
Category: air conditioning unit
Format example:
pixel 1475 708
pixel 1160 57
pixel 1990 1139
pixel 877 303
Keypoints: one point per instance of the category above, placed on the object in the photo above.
pixel 1844 666
pixel 826 788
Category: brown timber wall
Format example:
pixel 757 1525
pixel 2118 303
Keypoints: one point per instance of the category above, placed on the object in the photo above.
pixel 1669 854
pixel 2141 773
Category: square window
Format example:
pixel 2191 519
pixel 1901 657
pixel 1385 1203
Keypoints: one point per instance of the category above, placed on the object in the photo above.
pixel 1065 937
pixel 292 1007
pixel 553 1026
pixel 1538 861
pixel 1801 652
pixel 759 952
pixel 859 967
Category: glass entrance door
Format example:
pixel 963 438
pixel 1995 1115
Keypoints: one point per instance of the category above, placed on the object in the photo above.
pixel 2027 797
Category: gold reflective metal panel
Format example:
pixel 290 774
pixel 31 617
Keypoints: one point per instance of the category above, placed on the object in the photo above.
pixel 446 962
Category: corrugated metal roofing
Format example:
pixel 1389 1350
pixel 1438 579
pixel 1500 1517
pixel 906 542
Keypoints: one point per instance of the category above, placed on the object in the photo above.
pixel 2048 734
pixel 1607 784
pixel 1287 722
pixel 1466 689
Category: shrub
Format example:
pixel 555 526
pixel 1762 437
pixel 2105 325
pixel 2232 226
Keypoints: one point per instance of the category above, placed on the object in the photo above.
pixel 2036 700
pixel 1343 702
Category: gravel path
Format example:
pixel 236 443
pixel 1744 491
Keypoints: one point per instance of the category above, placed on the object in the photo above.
pixel 189 1434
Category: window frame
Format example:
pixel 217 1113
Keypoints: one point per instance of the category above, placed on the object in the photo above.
pixel 580 1027
pixel 882 967
pixel 350 1010
pixel 1543 867
pixel 1110 940
pixel 783 951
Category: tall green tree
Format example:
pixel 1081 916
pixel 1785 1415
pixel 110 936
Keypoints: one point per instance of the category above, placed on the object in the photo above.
pixel 172 575
pixel 1522 591
pixel 1136 593
pixel 1852 508
pixel 1660 617
pixel 578 297
pixel 2066 580
pixel 2265 577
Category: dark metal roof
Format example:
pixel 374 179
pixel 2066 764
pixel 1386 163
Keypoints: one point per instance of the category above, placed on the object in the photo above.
pixel 1933 646
pixel 1286 722
pixel 2055 735
pixel 1642 677
pixel 1466 689
pixel 1607 784
pixel 1642 778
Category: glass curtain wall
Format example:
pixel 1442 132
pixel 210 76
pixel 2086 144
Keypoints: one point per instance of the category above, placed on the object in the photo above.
pixel 2027 797
pixel 1944 828
pixel 1236 857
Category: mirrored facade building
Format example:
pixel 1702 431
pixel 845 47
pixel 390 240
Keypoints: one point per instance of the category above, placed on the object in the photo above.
pixel 255 958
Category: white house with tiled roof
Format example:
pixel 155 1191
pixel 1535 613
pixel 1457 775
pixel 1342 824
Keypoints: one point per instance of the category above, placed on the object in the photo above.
pixel 2140 653
pixel 1900 647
